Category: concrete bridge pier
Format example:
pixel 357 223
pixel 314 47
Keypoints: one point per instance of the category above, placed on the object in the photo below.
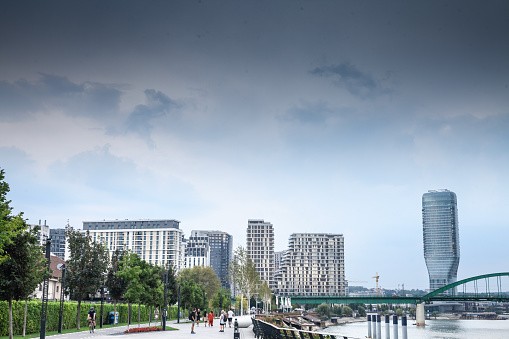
pixel 419 315
pixel 369 325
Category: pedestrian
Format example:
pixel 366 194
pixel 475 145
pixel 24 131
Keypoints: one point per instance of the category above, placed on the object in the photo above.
pixel 198 316
pixel 205 318
pixel 211 319
pixel 222 320
pixel 192 317
pixel 230 317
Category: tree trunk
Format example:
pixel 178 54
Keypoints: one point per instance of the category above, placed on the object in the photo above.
pixel 79 311
pixel 139 315
pixel 115 312
pixel 25 318
pixel 10 319
pixel 128 314
pixel 242 304
pixel 150 316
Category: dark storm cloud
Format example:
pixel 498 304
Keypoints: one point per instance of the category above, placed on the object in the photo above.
pixel 348 76
pixel 140 121
pixel 20 99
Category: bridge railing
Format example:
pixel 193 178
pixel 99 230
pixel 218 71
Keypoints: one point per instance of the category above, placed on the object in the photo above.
pixel 268 331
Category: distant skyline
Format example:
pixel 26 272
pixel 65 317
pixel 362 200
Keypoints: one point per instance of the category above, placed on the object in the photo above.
pixel 330 117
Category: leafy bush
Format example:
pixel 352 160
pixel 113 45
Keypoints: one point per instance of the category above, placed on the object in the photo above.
pixel 70 311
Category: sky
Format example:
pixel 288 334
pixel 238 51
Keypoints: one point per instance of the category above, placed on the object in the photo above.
pixel 317 116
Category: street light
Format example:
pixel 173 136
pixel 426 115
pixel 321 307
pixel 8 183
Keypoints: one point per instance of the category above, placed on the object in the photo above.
pixel 102 302
pixel 165 299
pixel 62 289
pixel 178 307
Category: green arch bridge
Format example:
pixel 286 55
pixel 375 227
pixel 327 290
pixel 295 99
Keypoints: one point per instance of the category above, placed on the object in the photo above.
pixel 446 293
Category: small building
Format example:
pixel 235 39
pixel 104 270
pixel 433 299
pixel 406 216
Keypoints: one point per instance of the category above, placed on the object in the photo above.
pixel 55 284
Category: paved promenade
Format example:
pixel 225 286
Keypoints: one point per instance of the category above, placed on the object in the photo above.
pixel 184 331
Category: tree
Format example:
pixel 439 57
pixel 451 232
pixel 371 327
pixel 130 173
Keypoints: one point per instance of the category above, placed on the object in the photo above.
pixel 172 284
pixel 434 314
pixel 10 225
pixel 399 312
pixel 361 311
pixel 265 294
pixel 22 270
pixel 347 311
pixel 115 283
pixel 153 293
pixel 226 297
pixel 86 266
pixel 191 294
pixel 243 274
pixel 131 270
pixel 323 310
pixel 206 277
pixel 337 310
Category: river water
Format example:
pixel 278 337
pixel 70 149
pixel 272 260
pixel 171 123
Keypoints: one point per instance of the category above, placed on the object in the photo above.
pixel 434 329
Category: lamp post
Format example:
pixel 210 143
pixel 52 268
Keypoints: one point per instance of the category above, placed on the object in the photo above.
pixel 102 301
pixel 165 302
pixel 45 288
pixel 178 307
pixel 62 289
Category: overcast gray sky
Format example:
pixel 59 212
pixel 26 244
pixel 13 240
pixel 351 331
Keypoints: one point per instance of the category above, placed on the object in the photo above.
pixel 318 116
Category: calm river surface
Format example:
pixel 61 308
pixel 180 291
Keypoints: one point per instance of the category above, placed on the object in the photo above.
pixel 450 329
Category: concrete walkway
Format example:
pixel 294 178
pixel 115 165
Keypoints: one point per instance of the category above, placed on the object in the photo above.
pixel 183 331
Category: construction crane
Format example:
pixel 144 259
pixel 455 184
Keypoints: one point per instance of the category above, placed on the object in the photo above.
pixel 376 277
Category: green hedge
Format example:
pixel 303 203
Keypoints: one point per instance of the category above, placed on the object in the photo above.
pixel 69 316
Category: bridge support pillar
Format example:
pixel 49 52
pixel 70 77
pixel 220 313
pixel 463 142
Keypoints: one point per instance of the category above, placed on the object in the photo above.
pixel 419 315
pixel 369 325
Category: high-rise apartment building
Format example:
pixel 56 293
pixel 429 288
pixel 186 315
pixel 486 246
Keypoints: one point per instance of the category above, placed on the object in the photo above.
pixel 157 241
pixel 260 248
pixel 197 250
pixel 314 265
pixel 221 253
pixel 43 234
pixel 440 237
pixel 278 260
pixel 58 242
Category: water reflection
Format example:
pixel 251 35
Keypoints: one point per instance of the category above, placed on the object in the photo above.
pixel 435 329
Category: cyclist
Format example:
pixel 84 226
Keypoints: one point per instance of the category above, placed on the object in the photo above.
pixel 91 319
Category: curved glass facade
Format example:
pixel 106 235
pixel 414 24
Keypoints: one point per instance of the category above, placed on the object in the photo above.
pixel 440 237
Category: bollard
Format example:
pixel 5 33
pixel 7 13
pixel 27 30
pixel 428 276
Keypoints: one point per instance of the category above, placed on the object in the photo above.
pixel 373 322
pixel 387 329
pixel 369 325
pixel 378 327
pixel 236 333
pixel 403 327
pixel 395 326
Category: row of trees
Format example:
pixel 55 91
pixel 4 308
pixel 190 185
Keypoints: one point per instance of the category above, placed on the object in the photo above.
pixel 21 258
pixel 126 276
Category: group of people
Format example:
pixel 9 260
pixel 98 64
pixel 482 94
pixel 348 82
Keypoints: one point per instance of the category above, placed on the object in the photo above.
pixel 224 317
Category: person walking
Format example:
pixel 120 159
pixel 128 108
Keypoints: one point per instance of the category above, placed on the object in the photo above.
pixel 205 318
pixel 230 317
pixel 222 321
pixel 198 316
pixel 211 319
pixel 192 317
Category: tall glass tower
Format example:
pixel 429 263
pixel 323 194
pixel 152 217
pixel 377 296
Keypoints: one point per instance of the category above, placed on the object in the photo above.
pixel 440 237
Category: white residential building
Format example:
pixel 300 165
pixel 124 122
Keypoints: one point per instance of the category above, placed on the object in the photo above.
pixel 197 250
pixel 260 248
pixel 157 241
pixel 314 265
pixel 42 234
